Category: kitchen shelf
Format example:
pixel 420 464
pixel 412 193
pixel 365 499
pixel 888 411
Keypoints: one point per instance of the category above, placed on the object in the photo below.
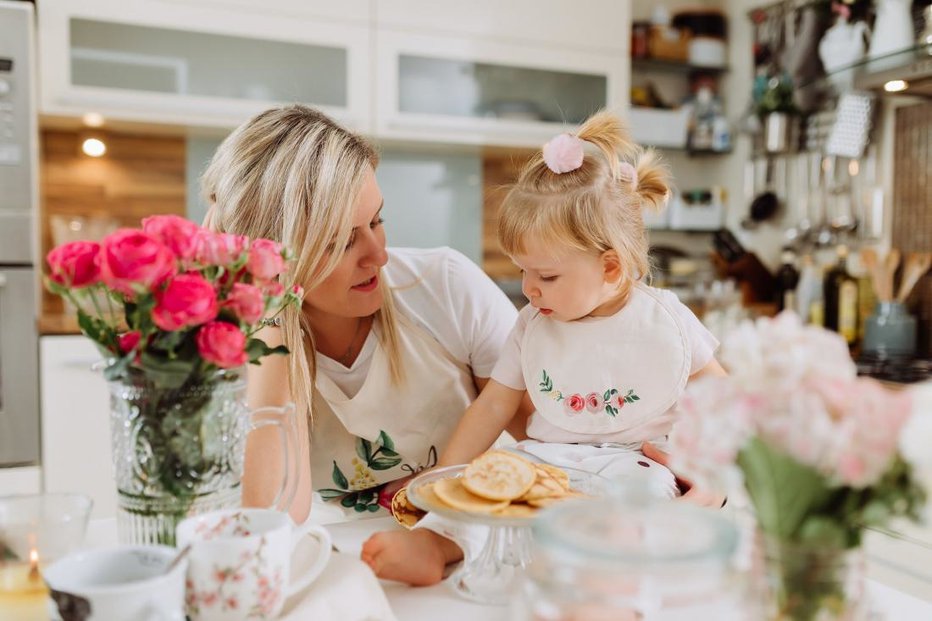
pixel 673 66
pixel 688 151
pixel 873 72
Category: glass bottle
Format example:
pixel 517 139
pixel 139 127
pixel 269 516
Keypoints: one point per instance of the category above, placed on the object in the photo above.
pixel 618 558
pixel 787 280
pixel 841 298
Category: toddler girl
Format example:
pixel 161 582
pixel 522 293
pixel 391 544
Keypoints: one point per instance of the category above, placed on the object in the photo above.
pixel 603 356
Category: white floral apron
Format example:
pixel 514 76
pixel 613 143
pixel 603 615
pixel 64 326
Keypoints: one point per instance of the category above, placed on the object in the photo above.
pixel 606 379
pixel 387 432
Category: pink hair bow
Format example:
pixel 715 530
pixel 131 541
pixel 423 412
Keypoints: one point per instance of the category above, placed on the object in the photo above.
pixel 629 173
pixel 563 153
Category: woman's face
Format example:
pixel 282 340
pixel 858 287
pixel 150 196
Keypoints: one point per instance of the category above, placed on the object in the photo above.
pixel 352 289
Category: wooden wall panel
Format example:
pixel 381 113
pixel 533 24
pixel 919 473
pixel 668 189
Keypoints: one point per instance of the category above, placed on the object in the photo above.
pixel 912 204
pixel 138 176
pixel 499 169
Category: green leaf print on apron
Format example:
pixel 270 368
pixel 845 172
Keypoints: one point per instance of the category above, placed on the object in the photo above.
pixel 387 432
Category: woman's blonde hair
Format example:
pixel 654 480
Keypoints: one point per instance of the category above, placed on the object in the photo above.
pixel 594 208
pixel 293 175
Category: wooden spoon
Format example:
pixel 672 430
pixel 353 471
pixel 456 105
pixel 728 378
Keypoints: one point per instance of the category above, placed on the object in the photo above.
pixel 917 264
pixel 890 263
pixel 869 257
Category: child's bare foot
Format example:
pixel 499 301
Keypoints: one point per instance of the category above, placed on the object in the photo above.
pixel 416 557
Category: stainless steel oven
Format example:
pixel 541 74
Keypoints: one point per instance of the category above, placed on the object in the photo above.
pixel 19 340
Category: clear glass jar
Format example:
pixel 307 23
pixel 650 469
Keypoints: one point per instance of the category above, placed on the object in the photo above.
pixel 617 559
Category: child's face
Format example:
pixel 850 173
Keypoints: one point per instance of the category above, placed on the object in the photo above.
pixel 568 286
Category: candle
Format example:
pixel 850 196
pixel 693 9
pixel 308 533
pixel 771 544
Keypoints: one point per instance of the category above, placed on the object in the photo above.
pixel 23 594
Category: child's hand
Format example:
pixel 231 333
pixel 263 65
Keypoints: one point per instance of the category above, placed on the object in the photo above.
pixel 690 492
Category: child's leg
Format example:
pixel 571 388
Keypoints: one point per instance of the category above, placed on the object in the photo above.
pixel 419 556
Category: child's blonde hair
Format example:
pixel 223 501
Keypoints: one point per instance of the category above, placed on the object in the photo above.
pixel 594 208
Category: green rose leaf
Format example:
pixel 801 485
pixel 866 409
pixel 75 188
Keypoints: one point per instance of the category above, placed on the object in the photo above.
pixel 256 349
pixel 349 500
pixel 330 494
pixel 607 395
pixel 165 372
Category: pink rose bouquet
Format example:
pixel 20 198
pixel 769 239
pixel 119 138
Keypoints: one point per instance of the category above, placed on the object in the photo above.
pixel 175 309
pixel 816 447
pixel 181 301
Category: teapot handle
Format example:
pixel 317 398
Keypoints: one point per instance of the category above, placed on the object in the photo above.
pixel 284 419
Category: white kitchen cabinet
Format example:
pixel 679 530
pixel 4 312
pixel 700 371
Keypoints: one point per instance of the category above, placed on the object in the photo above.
pixel 75 422
pixel 354 11
pixel 20 480
pixel 589 25
pixel 205 64
pixel 479 91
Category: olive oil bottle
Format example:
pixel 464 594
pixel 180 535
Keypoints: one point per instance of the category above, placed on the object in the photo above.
pixel 841 299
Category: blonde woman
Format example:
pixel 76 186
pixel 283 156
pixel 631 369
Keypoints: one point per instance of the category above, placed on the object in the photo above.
pixel 603 356
pixel 389 347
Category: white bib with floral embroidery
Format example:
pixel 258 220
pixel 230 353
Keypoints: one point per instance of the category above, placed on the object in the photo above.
pixel 607 375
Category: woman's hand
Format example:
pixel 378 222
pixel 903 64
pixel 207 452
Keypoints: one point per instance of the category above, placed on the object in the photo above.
pixel 690 492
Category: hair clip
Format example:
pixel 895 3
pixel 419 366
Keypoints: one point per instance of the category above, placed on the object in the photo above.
pixel 563 153
pixel 629 173
pixel 269 322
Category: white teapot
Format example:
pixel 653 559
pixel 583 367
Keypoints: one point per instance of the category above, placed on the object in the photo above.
pixel 843 45
pixel 893 29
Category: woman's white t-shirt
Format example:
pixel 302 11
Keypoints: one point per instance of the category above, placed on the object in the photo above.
pixel 447 295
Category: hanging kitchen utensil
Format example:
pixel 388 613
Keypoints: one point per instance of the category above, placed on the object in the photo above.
pixel 766 203
pixel 850 132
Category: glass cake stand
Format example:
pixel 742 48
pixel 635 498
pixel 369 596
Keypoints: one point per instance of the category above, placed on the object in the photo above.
pixel 490 577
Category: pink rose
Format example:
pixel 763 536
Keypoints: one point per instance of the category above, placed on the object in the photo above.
pixel 129 340
pixel 246 302
pixel 223 344
pixel 132 260
pixel 297 291
pixel 75 264
pixel 179 234
pixel 219 248
pixel 574 404
pixel 619 402
pixel 273 288
pixel 594 402
pixel 187 300
pixel 265 259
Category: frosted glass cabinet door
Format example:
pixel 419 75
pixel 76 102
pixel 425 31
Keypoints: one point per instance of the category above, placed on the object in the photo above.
pixel 219 69
pixel 474 91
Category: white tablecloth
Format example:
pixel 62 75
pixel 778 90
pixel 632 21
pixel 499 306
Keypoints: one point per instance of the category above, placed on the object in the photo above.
pixel 348 591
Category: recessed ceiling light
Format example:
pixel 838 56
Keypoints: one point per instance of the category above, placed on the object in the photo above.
pixel 895 86
pixel 93 119
pixel 94 147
